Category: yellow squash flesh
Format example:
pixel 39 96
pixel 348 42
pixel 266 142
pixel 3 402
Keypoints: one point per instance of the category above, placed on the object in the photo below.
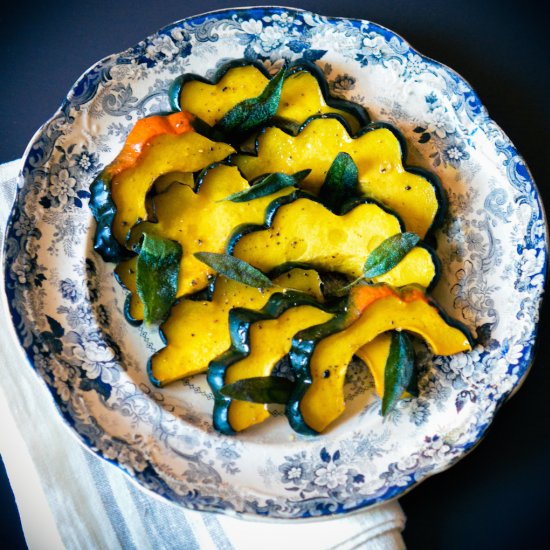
pixel 188 152
pixel 323 402
pixel 210 102
pixel 203 222
pixel 198 331
pixel 162 183
pixel 126 274
pixel 374 355
pixel 306 231
pixel 377 154
pixel 270 341
pixel 301 96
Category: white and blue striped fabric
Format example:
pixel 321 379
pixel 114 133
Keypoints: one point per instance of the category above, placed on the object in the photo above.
pixel 69 498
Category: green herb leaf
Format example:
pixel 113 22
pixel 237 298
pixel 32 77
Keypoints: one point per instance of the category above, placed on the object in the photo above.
pixel 389 253
pixel 234 269
pixel 157 270
pixel 341 183
pixel 254 112
pixel 399 370
pixel 267 185
pixel 261 389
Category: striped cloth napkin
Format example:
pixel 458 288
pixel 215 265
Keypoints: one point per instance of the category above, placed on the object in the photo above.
pixel 69 498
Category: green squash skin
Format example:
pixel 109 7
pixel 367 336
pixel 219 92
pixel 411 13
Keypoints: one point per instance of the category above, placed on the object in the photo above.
pixel 240 320
pixel 175 89
pixel 152 212
pixel 303 346
pixel 155 381
pixel 329 299
pixel 104 210
pixel 129 319
pixel 200 126
pixel 354 109
pixel 451 321
pixel 346 207
pixel 437 265
pixel 430 177
pixel 271 211
pixel 204 295
pixel 201 295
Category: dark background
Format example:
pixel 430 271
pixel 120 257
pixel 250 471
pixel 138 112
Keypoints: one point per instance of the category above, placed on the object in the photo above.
pixel 499 495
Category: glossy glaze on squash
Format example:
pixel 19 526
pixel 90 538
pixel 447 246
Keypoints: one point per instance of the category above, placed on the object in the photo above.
pixel 305 93
pixel 125 274
pixel 259 341
pixel 375 354
pixel 156 145
pixel 163 182
pixel 165 153
pixel 198 331
pixel 177 212
pixel 302 230
pixel 378 151
pixel 321 362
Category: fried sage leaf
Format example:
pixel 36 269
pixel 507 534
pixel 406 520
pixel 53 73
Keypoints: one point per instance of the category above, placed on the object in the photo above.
pixel 389 253
pixel 261 389
pixel 341 183
pixel 267 185
pixel 234 269
pixel 157 271
pixel 383 258
pixel 399 370
pixel 254 112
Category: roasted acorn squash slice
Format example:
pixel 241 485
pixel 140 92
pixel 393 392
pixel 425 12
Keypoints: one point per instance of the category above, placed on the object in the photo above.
pixel 162 183
pixel 301 230
pixel 374 355
pixel 378 151
pixel 201 221
pixel 187 152
pixel 260 339
pixel 157 145
pixel 198 331
pixel 125 273
pixel 320 356
pixel 305 93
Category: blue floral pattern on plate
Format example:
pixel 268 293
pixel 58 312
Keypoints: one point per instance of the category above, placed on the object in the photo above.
pixel 67 308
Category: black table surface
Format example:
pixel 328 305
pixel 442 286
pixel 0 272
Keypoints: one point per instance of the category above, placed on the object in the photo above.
pixel 499 495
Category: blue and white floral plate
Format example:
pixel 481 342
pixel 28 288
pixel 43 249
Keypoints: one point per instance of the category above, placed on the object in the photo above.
pixel 67 308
